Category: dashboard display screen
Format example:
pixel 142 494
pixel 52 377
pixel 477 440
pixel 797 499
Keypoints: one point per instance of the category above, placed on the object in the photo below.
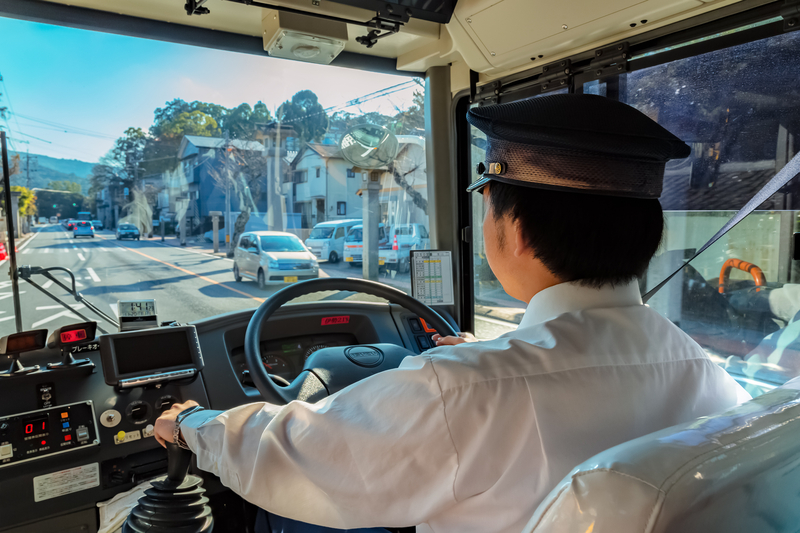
pixel 36 426
pixel 147 353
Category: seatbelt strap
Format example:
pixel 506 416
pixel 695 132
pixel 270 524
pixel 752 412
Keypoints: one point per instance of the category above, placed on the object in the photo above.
pixel 787 173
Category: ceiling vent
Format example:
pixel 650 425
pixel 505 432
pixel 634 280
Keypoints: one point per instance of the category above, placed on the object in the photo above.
pixel 303 38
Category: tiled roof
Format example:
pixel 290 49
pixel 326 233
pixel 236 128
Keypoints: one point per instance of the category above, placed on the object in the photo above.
pixel 730 191
pixel 218 142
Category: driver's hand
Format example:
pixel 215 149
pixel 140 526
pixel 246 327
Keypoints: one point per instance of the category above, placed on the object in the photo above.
pixel 165 424
pixel 452 341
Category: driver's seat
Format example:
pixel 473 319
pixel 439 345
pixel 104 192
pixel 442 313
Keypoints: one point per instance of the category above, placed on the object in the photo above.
pixel 735 471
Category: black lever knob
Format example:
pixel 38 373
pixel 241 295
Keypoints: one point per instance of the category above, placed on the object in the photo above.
pixel 175 502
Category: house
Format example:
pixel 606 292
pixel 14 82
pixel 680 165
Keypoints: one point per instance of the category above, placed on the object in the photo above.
pixel 203 166
pixel 323 186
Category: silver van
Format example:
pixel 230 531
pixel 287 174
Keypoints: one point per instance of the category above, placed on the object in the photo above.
pixel 326 240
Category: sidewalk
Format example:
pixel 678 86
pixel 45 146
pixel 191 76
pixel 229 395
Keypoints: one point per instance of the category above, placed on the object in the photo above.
pixel 196 244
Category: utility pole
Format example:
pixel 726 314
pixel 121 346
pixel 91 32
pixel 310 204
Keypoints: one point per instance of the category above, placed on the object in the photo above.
pixel 28 167
pixel 228 222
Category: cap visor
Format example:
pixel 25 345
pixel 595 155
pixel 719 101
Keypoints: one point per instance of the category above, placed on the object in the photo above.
pixel 479 185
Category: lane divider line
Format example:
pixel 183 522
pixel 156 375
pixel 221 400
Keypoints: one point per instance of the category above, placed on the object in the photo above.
pixel 80 256
pixel 94 275
pixel 204 278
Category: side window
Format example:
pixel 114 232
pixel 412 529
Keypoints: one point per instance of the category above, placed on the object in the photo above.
pixel 740 299
pixel 244 242
pixel 423 232
pixel 381 234
pixel 339 233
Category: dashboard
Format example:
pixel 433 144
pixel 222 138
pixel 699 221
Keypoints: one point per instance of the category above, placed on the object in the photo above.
pixel 75 439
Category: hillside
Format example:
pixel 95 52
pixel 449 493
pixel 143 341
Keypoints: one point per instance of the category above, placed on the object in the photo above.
pixel 53 169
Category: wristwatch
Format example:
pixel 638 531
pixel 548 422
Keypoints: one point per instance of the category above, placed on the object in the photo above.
pixel 176 431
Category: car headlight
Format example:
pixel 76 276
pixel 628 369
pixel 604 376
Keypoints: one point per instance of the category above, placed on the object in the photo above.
pixel 272 264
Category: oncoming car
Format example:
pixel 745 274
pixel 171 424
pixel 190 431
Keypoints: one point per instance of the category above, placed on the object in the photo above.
pixel 82 228
pixel 273 258
pixel 127 231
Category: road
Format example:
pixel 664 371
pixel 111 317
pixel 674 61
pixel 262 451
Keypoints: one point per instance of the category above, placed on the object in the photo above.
pixel 186 284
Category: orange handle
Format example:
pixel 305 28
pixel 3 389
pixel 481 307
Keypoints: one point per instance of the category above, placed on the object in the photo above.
pixel 725 273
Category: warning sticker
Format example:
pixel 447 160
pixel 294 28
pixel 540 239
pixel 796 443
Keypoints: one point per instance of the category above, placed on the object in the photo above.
pixel 66 482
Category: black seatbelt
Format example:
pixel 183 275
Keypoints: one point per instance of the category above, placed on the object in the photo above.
pixel 791 170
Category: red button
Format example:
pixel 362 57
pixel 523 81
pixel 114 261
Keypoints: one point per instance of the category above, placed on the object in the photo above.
pixel 44 443
pixel 67 437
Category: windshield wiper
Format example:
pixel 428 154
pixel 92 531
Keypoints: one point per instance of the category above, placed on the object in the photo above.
pixel 25 272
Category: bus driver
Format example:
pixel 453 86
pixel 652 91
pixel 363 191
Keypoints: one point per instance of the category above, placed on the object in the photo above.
pixel 470 437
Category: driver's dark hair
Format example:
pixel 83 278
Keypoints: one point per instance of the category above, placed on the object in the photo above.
pixel 585 238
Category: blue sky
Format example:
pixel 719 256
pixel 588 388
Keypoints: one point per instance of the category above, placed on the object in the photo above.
pixel 102 84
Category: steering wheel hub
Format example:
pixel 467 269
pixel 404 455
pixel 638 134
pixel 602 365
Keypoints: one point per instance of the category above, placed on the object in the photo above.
pixel 367 356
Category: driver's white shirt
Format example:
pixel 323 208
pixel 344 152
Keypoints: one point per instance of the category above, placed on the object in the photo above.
pixel 470 438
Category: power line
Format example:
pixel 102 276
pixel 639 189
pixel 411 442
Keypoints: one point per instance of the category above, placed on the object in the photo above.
pixel 10 106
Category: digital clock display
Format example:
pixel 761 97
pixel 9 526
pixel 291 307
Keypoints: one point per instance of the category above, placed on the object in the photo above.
pixel 137 309
pixel 73 336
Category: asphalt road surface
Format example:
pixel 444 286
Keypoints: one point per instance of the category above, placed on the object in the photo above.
pixel 186 284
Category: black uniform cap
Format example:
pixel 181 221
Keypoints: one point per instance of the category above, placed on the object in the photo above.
pixel 577 142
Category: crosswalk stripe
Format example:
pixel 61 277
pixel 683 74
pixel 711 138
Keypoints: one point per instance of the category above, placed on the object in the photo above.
pixel 47 284
pixel 46 251
pixel 51 318
pixel 25 251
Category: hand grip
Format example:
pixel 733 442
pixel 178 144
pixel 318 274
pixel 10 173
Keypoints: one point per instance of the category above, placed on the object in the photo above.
pixel 178 461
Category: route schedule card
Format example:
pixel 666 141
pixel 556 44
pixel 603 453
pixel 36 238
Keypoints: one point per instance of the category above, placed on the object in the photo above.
pixel 432 277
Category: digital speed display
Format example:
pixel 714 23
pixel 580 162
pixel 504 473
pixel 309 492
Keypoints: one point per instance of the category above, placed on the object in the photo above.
pixel 73 336
pixel 137 309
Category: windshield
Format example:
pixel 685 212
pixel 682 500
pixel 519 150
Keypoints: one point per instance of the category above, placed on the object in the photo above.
pixel 176 140
pixel 404 230
pixel 321 233
pixel 355 235
pixel 281 244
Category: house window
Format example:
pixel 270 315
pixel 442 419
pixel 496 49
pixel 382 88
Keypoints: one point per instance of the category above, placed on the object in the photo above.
pixel 318 171
pixel 300 176
pixel 351 173
pixel 341 208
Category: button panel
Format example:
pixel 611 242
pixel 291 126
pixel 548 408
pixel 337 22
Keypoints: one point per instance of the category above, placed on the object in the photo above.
pixel 36 434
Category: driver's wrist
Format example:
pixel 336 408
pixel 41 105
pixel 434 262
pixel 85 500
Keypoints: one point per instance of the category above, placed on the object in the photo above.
pixel 177 435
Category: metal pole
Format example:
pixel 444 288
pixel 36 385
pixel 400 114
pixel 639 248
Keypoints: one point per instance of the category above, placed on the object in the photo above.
pixel 12 252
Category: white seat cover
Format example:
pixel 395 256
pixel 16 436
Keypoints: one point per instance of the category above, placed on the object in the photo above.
pixel 735 471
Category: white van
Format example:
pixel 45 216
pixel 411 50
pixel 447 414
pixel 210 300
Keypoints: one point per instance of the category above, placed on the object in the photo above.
pixel 401 239
pixel 326 240
pixel 354 244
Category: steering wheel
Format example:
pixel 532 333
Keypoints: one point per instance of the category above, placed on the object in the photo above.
pixel 331 369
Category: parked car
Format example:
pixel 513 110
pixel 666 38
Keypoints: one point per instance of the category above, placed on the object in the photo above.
pixel 127 231
pixel 82 228
pixel 54 220
pixel 354 244
pixel 273 258
pixel 402 238
pixel 97 224
pixel 326 240
pixel 42 220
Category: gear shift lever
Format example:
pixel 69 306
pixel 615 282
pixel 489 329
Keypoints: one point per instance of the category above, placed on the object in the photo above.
pixel 174 502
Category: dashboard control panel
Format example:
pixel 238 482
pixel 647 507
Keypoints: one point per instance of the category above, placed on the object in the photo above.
pixel 36 434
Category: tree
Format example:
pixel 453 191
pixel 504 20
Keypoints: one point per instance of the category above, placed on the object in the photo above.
pixel 239 173
pixel 120 165
pixel 306 115
pixel 27 200
pixel 64 185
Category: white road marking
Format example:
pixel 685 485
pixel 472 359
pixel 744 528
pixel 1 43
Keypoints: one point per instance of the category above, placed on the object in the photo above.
pixel 198 253
pixel 68 314
pixel 65 250
pixel 80 256
pixel 114 310
pixel 93 274
pixel 25 252
pixel 46 251
pixel 85 250
pixel 47 284
pixel 26 243
pixel 4 295
pixel 6 318
pixel 74 306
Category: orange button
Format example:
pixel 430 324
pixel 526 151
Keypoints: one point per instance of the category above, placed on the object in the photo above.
pixel 64 415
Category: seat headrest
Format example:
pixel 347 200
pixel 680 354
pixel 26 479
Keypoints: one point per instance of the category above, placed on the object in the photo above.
pixel 735 471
